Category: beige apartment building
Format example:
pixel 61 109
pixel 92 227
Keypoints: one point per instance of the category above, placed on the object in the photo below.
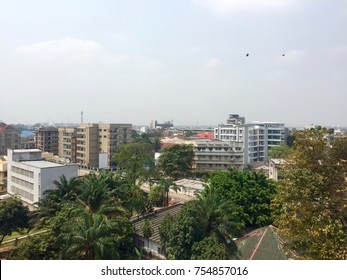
pixel 111 136
pixel 67 144
pixel 93 145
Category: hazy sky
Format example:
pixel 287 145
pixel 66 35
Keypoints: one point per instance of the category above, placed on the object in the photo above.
pixel 183 60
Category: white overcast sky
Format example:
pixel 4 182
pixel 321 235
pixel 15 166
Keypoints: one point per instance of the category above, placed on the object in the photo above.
pixel 183 60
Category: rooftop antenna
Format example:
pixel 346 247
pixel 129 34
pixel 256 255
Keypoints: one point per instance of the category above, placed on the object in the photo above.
pixel 81 116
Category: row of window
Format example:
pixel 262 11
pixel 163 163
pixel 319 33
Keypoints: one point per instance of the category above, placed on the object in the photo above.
pixel 219 157
pixel 22 193
pixel 22 171
pixel 23 183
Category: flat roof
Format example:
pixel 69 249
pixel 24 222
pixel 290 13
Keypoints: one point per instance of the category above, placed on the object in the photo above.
pixel 41 163
pixel 26 150
pixel 192 184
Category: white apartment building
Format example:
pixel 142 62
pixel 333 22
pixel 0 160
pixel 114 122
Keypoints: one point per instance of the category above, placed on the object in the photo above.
pixel 256 137
pixel 29 177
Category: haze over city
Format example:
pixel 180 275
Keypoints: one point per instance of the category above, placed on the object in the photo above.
pixel 185 60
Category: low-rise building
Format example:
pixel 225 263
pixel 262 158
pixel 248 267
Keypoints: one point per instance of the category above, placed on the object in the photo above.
pixel 275 165
pixel 29 176
pixel 211 154
pixel 3 172
pixel 152 244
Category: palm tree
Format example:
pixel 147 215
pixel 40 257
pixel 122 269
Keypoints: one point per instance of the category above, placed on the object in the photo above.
pixel 96 196
pixel 147 231
pixel 90 237
pixel 65 190
pixel 166 184
pixel 219 215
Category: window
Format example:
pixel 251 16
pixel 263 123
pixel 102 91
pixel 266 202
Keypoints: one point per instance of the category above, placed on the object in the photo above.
pixel 140 243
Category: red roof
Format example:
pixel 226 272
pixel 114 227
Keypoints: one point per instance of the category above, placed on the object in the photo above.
pixel 3 127
pixel 206 135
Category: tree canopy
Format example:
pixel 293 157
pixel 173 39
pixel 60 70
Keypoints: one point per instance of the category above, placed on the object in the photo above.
pixel 13 216
pixel 249 190
pixel 280 151
pixel 90 221
pixel 176 161
pixel 135 159
pixel 311 201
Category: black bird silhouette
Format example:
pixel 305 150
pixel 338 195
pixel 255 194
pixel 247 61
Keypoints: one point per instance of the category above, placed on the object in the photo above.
pixel 247 54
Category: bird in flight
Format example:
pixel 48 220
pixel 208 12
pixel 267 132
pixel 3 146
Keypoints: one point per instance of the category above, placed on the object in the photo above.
pixel 247 54
pixel 283 54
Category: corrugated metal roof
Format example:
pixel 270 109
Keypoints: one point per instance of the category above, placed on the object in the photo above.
pixel 155 219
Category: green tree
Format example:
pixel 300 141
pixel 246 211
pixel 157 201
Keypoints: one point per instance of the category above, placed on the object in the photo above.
pixel 166 184
pixel 176 161
pixel 91 236
pixel 146 230
pixel 156 195
pixel 37 247
pixel 312 198
pixel 210 248
pixel 249 190
pixel 281 151
pixel 179 233
pixel 96 195
pixel 136 159
pixel 13 216
pixel 64 191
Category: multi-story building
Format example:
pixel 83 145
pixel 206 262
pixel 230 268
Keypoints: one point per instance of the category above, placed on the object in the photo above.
pixel 217 155
pixel 111 136
pixel 256 138
pixel 87 151
pixel 46 139
pixel 211 154
pixel 9 138
pixel 93 145
pixel 68 144
pixel 29 177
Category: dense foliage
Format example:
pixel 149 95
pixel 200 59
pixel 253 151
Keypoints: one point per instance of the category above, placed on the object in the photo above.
pixel 13 216
pixel 176 161
pixel 85 218
pixel 205 228
pixel 312 197
pixel 249 190
pixel 136 160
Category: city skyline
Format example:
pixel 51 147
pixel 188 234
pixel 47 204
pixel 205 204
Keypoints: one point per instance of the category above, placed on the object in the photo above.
pixel 186 61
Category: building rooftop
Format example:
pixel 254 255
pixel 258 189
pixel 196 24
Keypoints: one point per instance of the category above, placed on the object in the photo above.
pixel 263 244
pixel 155 219
pixel 42 164
pixel 27 151
pixel 191 184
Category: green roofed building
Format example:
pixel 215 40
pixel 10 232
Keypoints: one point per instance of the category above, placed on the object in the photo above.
pixel 263 244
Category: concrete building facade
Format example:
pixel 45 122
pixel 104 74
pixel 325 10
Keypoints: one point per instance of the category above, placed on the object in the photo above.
pixel 9 138
pixel 256 138
pixel 68 144
pixel 46 139
pixel 211 154
pixel 93 145
pixel 29 176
